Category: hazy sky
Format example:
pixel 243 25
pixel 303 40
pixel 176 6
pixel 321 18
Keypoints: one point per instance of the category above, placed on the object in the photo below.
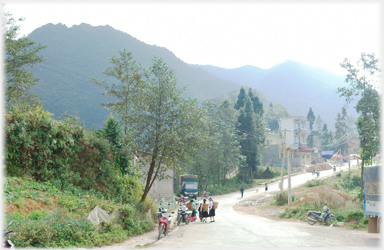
pixel 229 34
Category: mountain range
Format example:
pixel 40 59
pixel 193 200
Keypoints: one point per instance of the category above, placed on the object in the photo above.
pixel 296 86
pixel 77 54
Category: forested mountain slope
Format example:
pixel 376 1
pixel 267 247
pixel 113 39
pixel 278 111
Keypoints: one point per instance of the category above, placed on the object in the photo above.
pixel 77 54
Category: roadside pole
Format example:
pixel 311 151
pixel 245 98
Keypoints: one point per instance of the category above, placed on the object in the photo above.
pixel 289 175
pixel 282 163
pixel 349 159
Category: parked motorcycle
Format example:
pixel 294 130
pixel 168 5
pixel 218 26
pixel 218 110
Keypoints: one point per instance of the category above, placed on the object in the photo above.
pixel 164 224
pixel 8 243
pixel 162 210
pixel 183 215
pixel 326 216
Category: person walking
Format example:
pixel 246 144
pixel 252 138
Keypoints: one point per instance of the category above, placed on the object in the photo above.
pixel 266 187
pixel 204 214
pixel 242 191
pixel 211 210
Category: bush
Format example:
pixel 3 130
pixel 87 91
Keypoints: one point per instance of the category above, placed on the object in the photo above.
pixel 281 199
pixel 314 183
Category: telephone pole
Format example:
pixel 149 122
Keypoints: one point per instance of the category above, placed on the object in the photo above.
pixel 289 175
pixel 282 162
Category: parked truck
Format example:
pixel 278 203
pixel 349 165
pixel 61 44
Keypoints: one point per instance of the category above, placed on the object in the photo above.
pixel 189 185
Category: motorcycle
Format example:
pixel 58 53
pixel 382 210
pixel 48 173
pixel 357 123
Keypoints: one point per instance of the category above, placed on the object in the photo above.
pixel 183 215
pixel 8 243
pixel 326 216
pixel 164 224
pixel 162 210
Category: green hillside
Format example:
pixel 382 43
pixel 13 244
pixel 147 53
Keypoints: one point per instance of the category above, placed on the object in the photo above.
pixel 77 54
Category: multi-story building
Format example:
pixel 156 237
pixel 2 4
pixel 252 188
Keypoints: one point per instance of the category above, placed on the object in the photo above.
pixel 296 131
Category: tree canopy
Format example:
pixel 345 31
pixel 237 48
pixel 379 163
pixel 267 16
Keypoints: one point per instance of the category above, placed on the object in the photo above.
pixel 361 78
pixel 20 53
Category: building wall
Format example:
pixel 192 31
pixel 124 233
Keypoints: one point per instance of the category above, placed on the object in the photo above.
pixel 287 123
pixel 160 188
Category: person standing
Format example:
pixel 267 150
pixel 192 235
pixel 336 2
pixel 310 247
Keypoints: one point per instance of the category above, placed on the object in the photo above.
pixel 266 187
pixel 242 191
pixel 211 210
pixel 204 214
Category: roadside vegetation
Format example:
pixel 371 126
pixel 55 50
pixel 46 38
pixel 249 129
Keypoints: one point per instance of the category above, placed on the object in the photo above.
pixel 232 185
pixel 45 216
pixel 341 193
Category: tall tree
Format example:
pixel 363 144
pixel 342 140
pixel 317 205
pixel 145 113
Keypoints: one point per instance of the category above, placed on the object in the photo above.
pixel 311 118
pixel 119 147
pixel 240 99
pixel 256 104
pixel 20 53
pixel 361 78
pixel 127 91
pixel 252 127
pixel 164 126
pixel 319 123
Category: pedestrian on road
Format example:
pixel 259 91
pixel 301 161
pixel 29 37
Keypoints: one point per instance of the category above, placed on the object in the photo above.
pixel 204 214
pixel 242 191
pixel 204 193
pixel 211 210
pixel 266 187
pixel 194 208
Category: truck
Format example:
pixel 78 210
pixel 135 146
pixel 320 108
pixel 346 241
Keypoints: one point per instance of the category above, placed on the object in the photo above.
pixel 189 185
pixel 372 197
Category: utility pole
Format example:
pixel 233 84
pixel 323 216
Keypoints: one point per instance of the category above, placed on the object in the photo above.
pixel 282 162
pixel 289 175
pixel 349 158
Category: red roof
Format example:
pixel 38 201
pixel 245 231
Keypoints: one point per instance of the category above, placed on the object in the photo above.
pixel 305 150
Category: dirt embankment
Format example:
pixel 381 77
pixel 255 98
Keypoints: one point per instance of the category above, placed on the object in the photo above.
pixel 319 167
pixel 265 204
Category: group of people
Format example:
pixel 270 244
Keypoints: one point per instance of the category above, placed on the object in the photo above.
pixel 211 210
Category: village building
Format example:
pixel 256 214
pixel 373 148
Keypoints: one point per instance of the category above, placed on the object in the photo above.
pixel 296 132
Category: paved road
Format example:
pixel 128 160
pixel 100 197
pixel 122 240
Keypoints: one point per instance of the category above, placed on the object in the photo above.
pixel 235 230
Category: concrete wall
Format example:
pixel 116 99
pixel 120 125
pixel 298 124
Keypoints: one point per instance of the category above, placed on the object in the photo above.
pixel 160 188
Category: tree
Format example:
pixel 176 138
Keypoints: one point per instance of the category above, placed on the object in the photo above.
pixel 251 126
pixel 240 99
pixel 119 147
pixel 20 53
pixel 361 78
pixel 213 162
pixel 256 104
pixel 319 123
pixel 311 118
pixel 341 132
pixel 127 92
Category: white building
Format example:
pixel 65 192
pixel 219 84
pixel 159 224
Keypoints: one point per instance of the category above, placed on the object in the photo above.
pixel 296 131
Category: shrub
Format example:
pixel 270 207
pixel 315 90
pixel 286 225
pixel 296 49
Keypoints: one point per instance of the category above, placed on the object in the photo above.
pixel 281 199
pixel 314 183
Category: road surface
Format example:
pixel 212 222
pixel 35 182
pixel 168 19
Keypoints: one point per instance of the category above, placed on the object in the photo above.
pixel 236 230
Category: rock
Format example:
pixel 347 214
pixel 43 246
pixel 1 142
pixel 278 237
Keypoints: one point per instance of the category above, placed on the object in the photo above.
pixel 340 224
